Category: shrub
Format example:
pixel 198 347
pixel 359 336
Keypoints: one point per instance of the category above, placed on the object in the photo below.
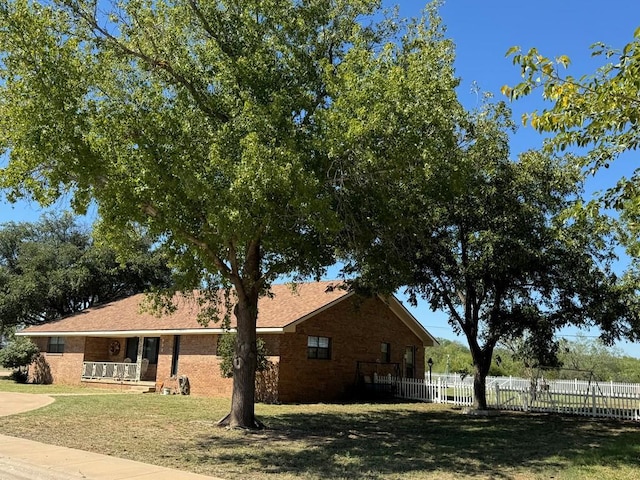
pixel 226 349
pixel 20 352
pixel 19 376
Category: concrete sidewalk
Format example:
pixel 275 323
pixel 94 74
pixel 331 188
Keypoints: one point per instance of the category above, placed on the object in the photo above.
pixel 22 459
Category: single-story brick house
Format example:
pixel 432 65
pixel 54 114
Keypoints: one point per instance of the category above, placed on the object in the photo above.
pixel 321 341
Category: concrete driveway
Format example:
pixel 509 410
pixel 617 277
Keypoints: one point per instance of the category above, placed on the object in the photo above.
pixel 12 403
pixel 22 459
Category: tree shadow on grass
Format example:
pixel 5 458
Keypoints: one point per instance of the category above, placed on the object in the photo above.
pixel 393 442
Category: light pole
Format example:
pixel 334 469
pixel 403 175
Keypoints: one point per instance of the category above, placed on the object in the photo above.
pixel 430 363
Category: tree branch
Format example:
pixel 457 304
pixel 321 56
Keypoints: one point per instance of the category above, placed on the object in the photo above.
pixel 224 269
pixel 199 98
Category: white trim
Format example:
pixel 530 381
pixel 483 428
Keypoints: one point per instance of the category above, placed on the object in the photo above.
pixel 144 333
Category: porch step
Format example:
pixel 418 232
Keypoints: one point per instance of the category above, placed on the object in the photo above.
pixel 142 389
pixel 138 387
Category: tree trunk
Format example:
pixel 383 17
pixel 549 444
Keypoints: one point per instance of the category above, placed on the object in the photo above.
pixel 481 366
pixel 479 388
pixel 242 413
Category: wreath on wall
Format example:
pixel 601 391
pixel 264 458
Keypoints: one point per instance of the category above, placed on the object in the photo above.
pixel 114 347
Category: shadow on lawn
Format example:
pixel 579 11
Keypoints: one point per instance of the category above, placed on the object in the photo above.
pixel 383 443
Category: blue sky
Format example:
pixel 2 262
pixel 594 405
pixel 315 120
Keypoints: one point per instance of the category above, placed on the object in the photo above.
pixel 483 31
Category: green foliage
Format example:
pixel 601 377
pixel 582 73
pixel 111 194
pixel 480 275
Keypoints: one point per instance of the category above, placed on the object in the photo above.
pixel 18 353
pixel 449 356
pixel 586 358
pixel 583 359
pixel 490 241
pixel 217 126
pixel 53 267
pixel 599 112
pixel 227 350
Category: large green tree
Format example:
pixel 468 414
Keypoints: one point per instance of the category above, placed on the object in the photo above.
pixel 208 123
pixel 488 240
pixel 53 268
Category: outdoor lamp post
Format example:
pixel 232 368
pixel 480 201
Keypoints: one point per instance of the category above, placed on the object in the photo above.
pixel 430 363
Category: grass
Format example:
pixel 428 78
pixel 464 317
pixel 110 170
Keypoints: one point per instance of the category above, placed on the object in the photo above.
pixel 364 441
pixel 7 385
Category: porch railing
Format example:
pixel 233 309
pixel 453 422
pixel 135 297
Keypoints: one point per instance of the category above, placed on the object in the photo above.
pixel 126 372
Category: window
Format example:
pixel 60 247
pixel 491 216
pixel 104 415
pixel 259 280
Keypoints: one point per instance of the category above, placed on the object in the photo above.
pixel 319 347
pixel 55 345
pixel 385 352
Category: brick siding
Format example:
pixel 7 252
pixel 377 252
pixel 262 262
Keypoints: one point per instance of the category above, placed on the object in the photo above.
pixel 66 367
pixel 357 329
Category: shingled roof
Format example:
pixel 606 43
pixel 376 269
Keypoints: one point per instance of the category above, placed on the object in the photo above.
pixel 279 312
pixel 283 307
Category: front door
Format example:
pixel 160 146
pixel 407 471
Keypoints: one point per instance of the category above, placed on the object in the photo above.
pixel 150 350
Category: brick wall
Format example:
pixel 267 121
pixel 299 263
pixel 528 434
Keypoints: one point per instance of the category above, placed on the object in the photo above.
pixel 198 361
pixel 65 368
pixel 356 328
pixel 97 349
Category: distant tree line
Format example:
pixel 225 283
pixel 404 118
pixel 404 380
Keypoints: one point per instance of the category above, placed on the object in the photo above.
pixel 54 267
pixel 582 358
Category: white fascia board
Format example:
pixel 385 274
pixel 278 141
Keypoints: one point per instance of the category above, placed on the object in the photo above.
pixel 143 333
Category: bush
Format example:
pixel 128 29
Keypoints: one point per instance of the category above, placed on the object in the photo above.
pixel 19 353
pixel 226 350
pixel 19 376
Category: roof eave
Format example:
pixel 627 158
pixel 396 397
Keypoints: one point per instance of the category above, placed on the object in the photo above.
pixel 144 333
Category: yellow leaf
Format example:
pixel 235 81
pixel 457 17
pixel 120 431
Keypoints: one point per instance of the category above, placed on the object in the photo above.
pixel 512 50
pixel 563 60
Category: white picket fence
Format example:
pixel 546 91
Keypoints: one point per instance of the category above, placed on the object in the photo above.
pixel 588 399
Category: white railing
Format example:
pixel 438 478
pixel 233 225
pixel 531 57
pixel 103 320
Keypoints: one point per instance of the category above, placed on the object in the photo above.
pixel 587 400
pixel 110 371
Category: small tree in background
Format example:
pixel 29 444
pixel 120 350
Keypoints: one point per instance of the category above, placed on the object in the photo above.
pixel 18 355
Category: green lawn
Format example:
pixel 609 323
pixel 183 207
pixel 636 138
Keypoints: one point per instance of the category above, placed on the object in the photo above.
pixel 364 441
pixel 7 385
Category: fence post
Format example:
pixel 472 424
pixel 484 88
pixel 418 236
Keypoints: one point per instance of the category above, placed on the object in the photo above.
pixel 498 403
pixel 593 402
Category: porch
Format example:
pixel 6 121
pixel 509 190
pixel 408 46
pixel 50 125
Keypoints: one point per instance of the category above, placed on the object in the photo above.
pixel 118 371
pixel 120 360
